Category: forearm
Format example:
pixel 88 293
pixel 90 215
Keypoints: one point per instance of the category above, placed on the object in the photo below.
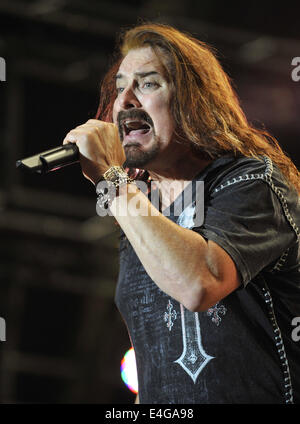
pixel 174 257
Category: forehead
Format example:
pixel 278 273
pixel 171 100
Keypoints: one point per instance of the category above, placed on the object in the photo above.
pixel 137 60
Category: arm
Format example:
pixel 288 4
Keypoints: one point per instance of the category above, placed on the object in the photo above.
pixel 194 272
pixel 165 249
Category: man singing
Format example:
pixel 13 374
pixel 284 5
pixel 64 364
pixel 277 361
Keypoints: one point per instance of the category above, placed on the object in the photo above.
pixel 208 305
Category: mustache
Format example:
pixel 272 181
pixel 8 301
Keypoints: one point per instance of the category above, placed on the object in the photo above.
pixel 133 114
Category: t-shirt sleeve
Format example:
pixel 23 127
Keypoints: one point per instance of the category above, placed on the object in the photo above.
pixel 245 217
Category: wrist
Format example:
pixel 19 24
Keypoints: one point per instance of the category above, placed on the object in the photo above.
pixel 113 184
pixel 117 175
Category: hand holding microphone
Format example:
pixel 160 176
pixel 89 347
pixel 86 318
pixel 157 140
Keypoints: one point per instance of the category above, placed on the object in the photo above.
pixel 99 147
pixel 95 144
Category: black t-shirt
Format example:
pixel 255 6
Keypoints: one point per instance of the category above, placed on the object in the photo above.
pixel 241 350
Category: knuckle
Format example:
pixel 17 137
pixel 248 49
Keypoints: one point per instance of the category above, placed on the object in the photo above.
pixel 70 136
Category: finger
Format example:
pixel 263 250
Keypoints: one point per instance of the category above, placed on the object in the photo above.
pixel 77 134
pixel 89 125
pixel 95 122
pixel 73 136
pixel 69 138
pixel 98 124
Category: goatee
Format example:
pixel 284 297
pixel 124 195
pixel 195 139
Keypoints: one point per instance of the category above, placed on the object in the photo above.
pixel 137 158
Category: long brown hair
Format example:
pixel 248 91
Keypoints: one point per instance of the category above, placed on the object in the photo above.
pixel 205 106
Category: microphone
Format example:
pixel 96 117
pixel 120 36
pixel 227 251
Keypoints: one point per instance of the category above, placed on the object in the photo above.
pixel 50 160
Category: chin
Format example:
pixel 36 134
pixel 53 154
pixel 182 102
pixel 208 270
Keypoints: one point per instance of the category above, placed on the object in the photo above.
pixel 137 158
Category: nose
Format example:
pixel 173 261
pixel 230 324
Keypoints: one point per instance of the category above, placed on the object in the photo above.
pixel 128 100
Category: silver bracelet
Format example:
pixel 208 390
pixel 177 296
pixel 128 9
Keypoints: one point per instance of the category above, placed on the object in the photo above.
pixel 108 187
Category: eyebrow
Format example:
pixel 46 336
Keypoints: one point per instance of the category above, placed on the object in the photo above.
pixel 139 74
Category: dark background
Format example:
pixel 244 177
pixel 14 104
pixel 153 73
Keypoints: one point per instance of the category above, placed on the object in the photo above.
pixel 58 259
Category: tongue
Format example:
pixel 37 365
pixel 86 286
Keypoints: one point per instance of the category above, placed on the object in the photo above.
pixel 139 131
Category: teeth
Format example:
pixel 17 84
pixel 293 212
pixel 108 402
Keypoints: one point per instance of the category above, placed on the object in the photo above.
pixel 134 125
pixel 132 121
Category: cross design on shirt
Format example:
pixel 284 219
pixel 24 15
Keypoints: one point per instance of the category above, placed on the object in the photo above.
pixel 214 311
pixel 170 316
pixel 193 358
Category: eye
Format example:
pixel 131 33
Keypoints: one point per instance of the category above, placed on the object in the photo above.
pixel 120 90
pixel 149 84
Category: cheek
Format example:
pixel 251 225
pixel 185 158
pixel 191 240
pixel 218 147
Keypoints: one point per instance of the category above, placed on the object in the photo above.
pixel 158 106
pixel 162 115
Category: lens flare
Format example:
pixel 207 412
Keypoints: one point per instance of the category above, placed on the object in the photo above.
pixel 128 371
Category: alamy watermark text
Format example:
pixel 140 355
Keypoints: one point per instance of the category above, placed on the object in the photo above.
pixel 189 208
pixel 296 330
pixel 2 330
pixel 296 71
pixel 2 69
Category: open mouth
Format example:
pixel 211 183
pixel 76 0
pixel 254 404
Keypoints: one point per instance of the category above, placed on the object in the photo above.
pixel 135 127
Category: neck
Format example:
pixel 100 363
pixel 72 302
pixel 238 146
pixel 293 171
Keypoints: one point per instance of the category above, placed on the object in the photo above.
pixel 183 170
pixel 172 181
